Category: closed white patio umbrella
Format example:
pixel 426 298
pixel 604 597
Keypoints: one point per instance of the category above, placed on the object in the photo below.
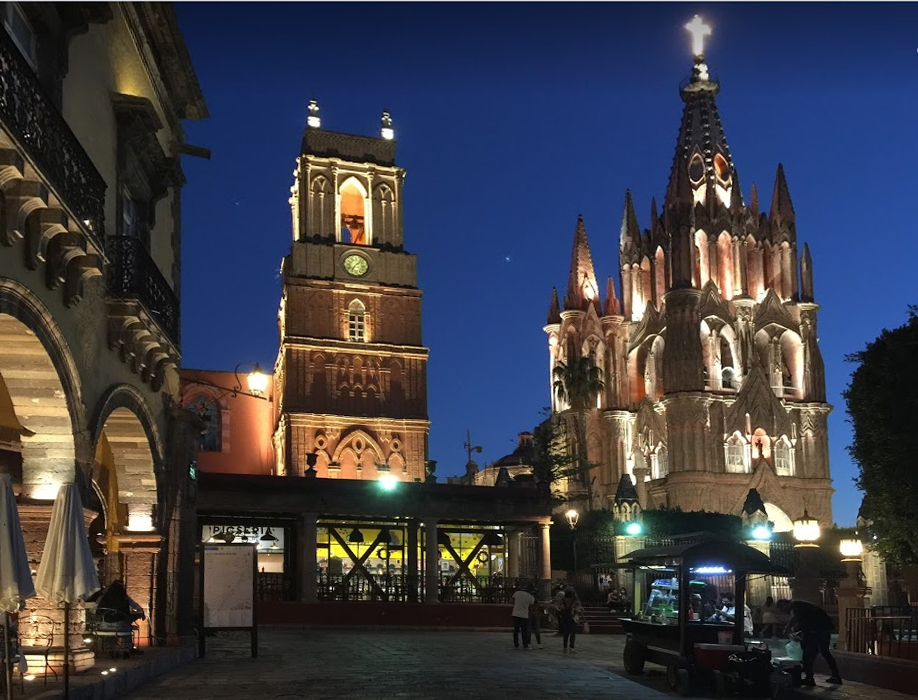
pixel 67 573
pixel 15 576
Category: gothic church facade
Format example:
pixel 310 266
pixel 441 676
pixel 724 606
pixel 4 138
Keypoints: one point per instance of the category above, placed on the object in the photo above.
pixel 714 382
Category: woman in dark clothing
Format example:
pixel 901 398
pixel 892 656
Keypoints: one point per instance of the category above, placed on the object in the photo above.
pixel 116 598
pixel 569 611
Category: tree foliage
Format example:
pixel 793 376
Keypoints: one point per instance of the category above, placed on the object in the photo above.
pixel 552 463
pixel 882 400
pixel 578 382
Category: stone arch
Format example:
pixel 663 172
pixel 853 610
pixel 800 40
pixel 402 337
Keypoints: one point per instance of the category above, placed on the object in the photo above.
pixel 353 209
pixel 44 389
pixel 350 442
pixel 125 427
pixel 782 521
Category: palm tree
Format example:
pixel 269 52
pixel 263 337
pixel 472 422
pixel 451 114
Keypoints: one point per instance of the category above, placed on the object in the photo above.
pixel 578 383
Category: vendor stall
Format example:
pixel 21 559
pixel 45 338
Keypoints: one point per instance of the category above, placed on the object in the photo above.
pixel 677 624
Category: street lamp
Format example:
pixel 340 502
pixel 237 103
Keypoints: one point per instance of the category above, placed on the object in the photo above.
pixel 851 550
pixel 572 518
pixel 806 531
pixel 257 380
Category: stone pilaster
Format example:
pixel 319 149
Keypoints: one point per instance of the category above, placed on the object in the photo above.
pixel 139 552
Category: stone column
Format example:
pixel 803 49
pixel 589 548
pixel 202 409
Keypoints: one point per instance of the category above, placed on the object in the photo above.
pixel 432 562
pixel 138 553
pixel 513 555
pixel 308 535
pixel 852 594
pixel 758 588
pixel 545 574
pixel 411 561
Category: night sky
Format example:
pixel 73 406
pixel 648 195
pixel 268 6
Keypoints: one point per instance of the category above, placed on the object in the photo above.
pixel 511 120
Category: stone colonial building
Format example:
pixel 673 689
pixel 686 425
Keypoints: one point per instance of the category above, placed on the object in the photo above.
pixel 351 371
pixel 714 382
pixel 92 99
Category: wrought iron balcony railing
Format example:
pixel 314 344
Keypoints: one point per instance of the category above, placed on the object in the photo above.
pixel 132 274
pixel 32 119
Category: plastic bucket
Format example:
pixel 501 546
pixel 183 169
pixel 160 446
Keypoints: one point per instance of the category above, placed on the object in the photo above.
pixel 724 637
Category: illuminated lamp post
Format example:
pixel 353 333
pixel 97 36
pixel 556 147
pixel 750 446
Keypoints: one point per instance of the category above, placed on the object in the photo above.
pixel 853 592
pixel 573 517
pixel 806 585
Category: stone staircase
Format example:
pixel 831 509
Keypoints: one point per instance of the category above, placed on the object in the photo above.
pixel 602 621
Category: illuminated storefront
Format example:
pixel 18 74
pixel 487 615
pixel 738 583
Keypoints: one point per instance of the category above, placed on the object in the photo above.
pixel 336 540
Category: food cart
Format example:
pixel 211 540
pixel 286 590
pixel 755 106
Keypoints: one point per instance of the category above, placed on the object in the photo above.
pixel 697 649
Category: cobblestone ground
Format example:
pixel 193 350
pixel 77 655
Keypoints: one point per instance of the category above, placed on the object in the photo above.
pixel 296 662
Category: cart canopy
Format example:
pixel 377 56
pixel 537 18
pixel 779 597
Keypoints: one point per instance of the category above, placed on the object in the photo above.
pixel 731 554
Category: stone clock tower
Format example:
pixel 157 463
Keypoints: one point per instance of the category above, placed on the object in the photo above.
pixel 351 372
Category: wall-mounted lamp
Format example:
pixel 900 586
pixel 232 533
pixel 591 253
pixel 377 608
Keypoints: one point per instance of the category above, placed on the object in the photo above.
pixel 573 517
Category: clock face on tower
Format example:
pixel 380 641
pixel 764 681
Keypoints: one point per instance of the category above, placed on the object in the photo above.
pixel 356 265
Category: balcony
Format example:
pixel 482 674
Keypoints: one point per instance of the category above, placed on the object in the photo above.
pixel 132 274
pixel 39 132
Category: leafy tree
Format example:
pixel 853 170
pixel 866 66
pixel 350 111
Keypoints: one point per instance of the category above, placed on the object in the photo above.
pixel 882 403
pixel 551 463
pixel 578 382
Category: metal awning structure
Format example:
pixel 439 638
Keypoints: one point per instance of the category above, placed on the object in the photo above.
pixel 738 556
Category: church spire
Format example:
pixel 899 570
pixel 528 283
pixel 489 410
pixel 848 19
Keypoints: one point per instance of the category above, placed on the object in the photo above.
pixel 613 308
pixel 701 146
pixel 582 288
pixel 783 219
pixel 554 309
pixel 630 237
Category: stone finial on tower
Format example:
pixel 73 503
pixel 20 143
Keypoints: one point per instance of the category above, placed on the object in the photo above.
pixel 806 275
pixel 754 201
pixel 554 309
pixel 385 126
pixel 613 308
pixel 582 289
pixel 312 120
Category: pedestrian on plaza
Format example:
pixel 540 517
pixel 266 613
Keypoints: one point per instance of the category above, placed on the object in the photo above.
pixel 558 597
pixel 613 600
pixel 535 617
pixel 769 618
pixel 571 615
pixel 522 600
pixel 813 626
pixel 624 600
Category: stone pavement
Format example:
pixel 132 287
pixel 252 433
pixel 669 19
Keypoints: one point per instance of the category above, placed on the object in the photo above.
pixel 299 662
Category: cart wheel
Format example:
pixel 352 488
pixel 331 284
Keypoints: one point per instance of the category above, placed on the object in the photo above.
pixel 633 658
pixel 683 682
pixel 672 676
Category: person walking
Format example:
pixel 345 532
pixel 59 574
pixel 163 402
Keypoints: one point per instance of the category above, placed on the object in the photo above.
pixel 522 600
pixel 535 618
pixel 571 612
pixel 558 597
pixel 769 618
pixel 814 628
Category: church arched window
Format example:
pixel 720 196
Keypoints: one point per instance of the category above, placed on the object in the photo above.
pixel 737 455
pixel 209 412
pixel 353 215
pixel 660 463
pixel 784 457
pixel 356 322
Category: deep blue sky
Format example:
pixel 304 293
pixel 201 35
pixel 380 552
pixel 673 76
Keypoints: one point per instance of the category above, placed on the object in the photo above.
pixel 512 119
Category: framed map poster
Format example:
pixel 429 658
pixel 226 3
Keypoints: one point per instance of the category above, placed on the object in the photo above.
pixel 228 574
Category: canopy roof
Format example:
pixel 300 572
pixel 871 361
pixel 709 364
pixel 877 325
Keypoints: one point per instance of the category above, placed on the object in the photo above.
pixel 711 552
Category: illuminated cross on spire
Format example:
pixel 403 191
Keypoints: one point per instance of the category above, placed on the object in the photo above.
pixel 699 30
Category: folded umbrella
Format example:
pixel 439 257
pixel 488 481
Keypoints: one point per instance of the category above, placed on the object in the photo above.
pixel 15 576
pixel 67 573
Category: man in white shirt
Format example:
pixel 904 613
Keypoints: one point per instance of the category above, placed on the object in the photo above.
pixel 728 612
pixel 521 602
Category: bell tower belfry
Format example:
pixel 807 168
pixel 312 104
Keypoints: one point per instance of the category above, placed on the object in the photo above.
pixel 351 371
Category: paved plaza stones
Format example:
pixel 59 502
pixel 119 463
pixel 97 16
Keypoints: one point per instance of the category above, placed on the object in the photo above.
pixel 297 662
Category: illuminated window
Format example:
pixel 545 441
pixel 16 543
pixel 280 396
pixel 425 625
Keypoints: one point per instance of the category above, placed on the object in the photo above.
pixel 784 458
pixel 21 31
pixel 209 412
pixel 356 322
pixel 736 458
pixel 353 218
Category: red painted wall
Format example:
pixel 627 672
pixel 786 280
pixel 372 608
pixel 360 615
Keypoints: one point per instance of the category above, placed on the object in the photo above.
pixel 247 423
